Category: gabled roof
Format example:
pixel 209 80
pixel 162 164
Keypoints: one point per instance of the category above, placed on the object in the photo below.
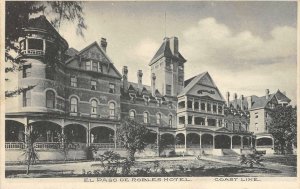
pixel 110 63
pixel 282 97
pixel 71 52
pixel 260 102
pixel 165 51
pixel 191 83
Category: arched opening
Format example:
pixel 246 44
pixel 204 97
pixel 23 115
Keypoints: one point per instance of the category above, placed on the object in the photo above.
pixel 50 99
pixel 236 142
pixel 264 142
pixel 151 140
pixel 193 140
pixel 167 140
pixel 206 141
pixel 102 137
pixel 222 142
pixel 14 134
pixel 180 140
pixel 48 131
pixel 75 133
pixel 246 142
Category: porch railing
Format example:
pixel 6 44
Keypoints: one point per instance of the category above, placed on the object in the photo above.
pixel 14 145
pixel 236 146
pixel 103 145
pixel 206 146
pixel 264 146
pixel 47 145
pixel 180 146
pixel 197 146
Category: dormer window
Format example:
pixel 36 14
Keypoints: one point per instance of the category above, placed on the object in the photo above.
pixel 95 66
pixel 158 101
pixel 132 96
pixel 88 65
pixel 112 88
pixel 146 99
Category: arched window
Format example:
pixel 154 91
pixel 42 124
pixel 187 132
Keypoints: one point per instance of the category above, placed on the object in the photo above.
pixel 50 99
pixel 74 104
pixel 93 107
pixel 170 120
pixel 112 110
pixel 131 114
pixel 158 118
pixel 146 117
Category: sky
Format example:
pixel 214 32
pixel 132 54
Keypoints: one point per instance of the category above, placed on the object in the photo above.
pixel 247 47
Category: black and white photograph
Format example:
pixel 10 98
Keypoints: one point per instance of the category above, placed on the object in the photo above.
pixel 142 91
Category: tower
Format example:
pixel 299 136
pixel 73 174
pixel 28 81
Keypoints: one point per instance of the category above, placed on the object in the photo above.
pixel 168 67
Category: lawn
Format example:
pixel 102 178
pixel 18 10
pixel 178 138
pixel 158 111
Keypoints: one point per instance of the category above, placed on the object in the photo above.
pixel 290 160
pixel 176 168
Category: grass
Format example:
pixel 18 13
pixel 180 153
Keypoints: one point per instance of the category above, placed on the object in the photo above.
pixel 290 160
pixel 175 168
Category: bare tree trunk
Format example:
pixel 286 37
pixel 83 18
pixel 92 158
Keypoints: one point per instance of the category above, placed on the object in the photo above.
pixel 131 153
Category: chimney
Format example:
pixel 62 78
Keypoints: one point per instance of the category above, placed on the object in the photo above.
pixel 153 78
pixel 235 100
pixel 103 43
pixel 242 102
pixel 267 93
pixel 227 98
pixel 125 78
pixel 174 45
pixel 249 101
pixel 140 83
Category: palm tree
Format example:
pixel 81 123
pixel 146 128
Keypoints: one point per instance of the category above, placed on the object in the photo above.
pixel 30 152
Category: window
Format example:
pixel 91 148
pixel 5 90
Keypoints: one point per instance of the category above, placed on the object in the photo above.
pixel 190 104
pixel 131 114
pixel 226 125
pixel 233 127
pixel 256 116
pixel 112 110
pixel 26 71
pixel 256 126
pixel 93 107
pixel 196 105
pixel 220 109
pixel 199 121
pixel 170 120
pixel 181 104
pixel 168 89
pixel 203 106
pixel 26 98
pixel 36 44
pixel 50 99
pixel 240 126
pixel 73 81
pixel 208 107
pixel 111 88
pixel 180 80
pixel 182 120
pixel 190 119
pixel 88 65
pixel 95 66
pixel 214 108
pixel 146 117
pixel 220 123
pixel 93 85
pixel 99 67
pixel 158 118
pixel 74 104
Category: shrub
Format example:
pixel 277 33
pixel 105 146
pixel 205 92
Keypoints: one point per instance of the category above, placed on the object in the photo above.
pixel 251 159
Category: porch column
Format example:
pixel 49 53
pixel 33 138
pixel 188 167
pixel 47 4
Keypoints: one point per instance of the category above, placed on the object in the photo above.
pixel 157 142
pixel 273 143
pixel 217 122
pixel 242 138
pixel 206 123
pixel 193 120
pixel 213 141
pixel 89 134
pixel 115 136
pixel 26 44
pixel 200 140
pixel 62 133
pixel 185 141
pixel 193 105
pixel 230 141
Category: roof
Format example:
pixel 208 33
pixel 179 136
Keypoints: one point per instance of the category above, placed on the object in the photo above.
pixel 41 23
pixel 165 51
pixel 282 97
pixel 71 52
pixel 190 83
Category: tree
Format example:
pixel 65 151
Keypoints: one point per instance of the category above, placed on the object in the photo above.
pixel 283 127
pixel 65 143
pixel 132 136
pixel 17 15
pixel 30 152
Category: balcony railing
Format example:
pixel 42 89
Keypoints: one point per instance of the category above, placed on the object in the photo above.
pixel 33 52
pixel 14 145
